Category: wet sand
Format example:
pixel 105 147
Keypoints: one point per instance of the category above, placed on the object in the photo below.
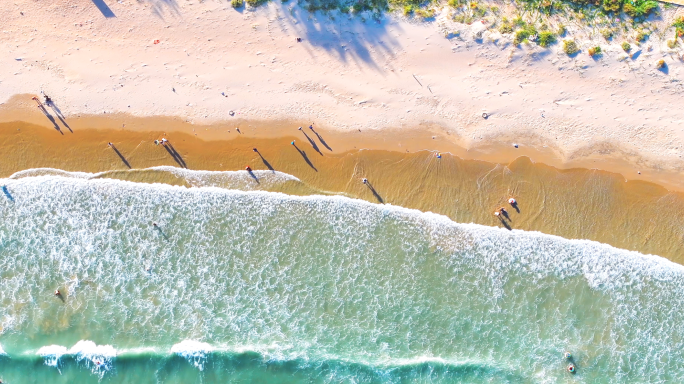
pixel 574 203
pixel 426 136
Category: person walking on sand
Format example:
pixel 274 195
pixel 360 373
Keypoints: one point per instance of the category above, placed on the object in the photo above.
pixel 512 201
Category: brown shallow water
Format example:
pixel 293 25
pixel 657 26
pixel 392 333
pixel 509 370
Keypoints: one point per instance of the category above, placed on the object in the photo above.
pixel 575 203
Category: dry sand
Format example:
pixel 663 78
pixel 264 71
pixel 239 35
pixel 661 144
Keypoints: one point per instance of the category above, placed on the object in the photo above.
pixel 347 74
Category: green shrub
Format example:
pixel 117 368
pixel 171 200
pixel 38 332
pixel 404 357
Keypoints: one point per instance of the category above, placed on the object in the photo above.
pixel 455 3
pixel 594 51
pixel 506 28
pixel 672 43
pixel 639 8
pixel 408 9
pixel 611 5
pixel 524 33
pixel 463 19
pixel 562 30
pixel 641 35
pixel 570 47
pixel 607 33
pixel 425 13
pixel 479 11
pixel 546 38
pixel 626 47
pixel 679 27
pixel 237 3
pixel 520 36
pixel 256 3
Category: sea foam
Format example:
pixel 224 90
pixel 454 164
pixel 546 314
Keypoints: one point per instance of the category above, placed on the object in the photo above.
pixel 335 279
pixel 51 354
pixel 193 351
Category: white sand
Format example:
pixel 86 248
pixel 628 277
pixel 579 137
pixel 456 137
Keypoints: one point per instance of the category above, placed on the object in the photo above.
pixel 346 74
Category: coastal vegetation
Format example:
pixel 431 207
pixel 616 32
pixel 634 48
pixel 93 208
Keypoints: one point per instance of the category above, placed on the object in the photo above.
pixel 524 22
pixel 570 47
pixel 679 27
pixel 594 51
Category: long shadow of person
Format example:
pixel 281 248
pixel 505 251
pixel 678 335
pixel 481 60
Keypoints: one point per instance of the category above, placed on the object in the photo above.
pixel 515 206
pixel 375 193
pixel 306 158
pixel 266 163
pixel 49 116
pixel 504 223
pixel 156 226
pixel 313 144
pixel 176 156
pixel 120 156
pixel 7 193
pixel 251 173
pixel 59 114
pixel 320 138
pixel 59 295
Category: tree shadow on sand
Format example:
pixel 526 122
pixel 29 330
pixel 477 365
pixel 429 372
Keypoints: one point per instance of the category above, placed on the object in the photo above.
pixel 104 8
pixel 162 7
pixel 349 39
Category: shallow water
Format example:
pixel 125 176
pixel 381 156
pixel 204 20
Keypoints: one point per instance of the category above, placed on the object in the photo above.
pixel 254 286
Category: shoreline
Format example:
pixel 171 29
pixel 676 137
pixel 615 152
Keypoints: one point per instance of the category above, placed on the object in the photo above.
pixel 426 137
pixel 573 203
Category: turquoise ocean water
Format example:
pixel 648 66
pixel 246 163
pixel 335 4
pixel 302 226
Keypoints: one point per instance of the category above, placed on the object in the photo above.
pixel 258 287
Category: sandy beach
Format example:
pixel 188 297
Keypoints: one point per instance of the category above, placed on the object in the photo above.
pixel 197 191
pixel 576 204
pixel 206 63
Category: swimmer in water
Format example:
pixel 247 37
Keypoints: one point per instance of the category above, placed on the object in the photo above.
pixel 154 225
pixel 58 293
